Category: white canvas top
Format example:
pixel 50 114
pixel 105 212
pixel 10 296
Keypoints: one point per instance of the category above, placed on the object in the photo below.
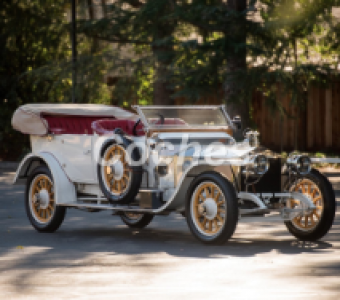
pixel 77 110
pixel 27 118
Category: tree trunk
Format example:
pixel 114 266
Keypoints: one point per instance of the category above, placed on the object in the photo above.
pixel 104 8
pixel 164 55
pixel 95 42
pixel 162 92
pixel 236 62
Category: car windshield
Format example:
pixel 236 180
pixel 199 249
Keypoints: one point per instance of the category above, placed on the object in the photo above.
pixel 183 116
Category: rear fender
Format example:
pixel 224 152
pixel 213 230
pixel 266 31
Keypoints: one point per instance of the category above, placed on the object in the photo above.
pixel 64 188
pixel 101 142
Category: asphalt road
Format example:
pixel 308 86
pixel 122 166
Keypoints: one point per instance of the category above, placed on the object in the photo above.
pixel 95 256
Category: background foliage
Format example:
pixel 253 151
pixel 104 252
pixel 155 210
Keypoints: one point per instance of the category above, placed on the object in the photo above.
pixel 32 34
pixel 155 51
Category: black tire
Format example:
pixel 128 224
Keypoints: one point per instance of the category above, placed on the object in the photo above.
pixel 57 216
pixel 140 221
pixel 229 201
pixel 326 217
pixel 135 177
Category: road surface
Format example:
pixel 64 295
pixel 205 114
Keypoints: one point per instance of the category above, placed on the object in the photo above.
pixel 95 256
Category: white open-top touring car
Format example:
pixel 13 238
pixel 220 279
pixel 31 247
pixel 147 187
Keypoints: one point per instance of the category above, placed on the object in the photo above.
pixel 163 159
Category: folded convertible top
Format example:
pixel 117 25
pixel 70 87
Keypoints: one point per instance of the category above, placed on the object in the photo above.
pixel 29 119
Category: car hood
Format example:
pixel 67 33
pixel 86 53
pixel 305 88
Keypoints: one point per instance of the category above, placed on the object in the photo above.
pixel 239 150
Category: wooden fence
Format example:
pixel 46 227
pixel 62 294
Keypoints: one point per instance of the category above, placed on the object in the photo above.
pixel 315 128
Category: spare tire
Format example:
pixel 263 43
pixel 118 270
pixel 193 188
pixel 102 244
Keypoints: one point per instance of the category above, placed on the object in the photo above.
pixel 118 180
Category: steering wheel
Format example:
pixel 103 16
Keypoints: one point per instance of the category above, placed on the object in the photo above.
pixel 134 129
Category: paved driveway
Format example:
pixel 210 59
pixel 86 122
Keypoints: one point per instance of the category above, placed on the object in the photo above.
pixel 93 255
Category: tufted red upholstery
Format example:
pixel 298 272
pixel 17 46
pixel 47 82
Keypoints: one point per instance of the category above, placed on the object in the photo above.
pixel 107 126
pixel 60 124
pixel 71 124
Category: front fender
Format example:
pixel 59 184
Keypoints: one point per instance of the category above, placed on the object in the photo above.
pixel 64 188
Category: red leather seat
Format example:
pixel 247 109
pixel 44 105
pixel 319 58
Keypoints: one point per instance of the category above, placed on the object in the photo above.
pixel 71 124
pixel 108 126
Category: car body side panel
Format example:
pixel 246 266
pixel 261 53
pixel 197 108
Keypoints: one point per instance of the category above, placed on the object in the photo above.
pixel 178 201
pixel 64 189
pixel 175 198
pixel 72 151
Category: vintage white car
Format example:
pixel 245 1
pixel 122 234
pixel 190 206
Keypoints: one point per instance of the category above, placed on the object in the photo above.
pixel 163 159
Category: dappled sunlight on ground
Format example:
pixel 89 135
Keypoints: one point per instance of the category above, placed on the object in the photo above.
pixel 95 255
pixel 7 177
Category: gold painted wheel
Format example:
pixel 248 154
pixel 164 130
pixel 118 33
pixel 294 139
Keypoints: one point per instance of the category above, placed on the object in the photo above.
pixel 136 220
pixel 208 208
pixel 307 222
pixel 41 199
pixel 116 172
pixel 133 216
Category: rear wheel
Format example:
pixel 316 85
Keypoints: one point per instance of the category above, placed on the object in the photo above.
pixel 135 220
pixel 314 225
pixel 41 208
pixel 211 209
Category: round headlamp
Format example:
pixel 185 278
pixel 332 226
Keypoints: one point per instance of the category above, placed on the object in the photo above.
pixel 258 164
pixel 300 164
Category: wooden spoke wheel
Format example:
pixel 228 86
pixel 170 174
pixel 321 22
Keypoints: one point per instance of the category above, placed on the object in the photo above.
pixel 136 220
pixel 119 179
pixel 313 225
pixel 133 216
pixel 211 208
pixel 42 201
pixel 116 171
pixel 310 189
pixel 41 207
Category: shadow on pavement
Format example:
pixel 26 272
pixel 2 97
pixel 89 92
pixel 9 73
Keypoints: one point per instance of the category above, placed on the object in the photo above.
pixel 99 240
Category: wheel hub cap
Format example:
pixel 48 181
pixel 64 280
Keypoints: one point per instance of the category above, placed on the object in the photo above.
pixel 44 198
pixel 210 208
pixel 118 170
pixel 308 219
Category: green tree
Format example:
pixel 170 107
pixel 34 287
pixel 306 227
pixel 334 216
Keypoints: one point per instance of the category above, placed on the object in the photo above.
pixel 145 29
pixel 250 45
pixel 32 34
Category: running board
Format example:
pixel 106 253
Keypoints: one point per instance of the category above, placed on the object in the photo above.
pixel 148 201
pixel 251 211
pixel 153 199
pixel 116 208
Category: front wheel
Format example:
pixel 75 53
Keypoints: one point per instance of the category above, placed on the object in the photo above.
pixel 135 220
pixel 314 225
pixel 211 208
